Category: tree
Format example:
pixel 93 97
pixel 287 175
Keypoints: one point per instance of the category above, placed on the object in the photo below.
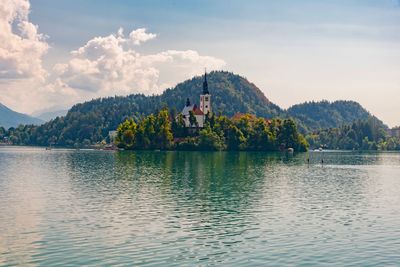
pixel 126 133
pixel 262 138
pixel 243 132
pixel 210 140
pixel 146 133
pixel 178 126
pixel 235 139
pixel 163 130
pixel 192 119
pixel 367 134
pixel 289 137
pixel 2 133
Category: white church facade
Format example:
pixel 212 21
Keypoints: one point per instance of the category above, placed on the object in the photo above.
pixel 199 112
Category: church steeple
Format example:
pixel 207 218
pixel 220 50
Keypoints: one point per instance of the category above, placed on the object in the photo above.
pixel 205 97
pixel 205 85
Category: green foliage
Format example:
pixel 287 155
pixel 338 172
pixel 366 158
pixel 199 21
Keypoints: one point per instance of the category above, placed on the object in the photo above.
pixel 151 132
pixel 231 94
pixel 188 143
pixel 210 140
pixel 235 139
pixel 163 131
pixel 242 132
pixel 288 136
pixel 313 116
pixel 369 134
pixel 126 133
pixel 20 135
pixel 192 119
pixel 3 133
pixel 391 143
pixel 178 126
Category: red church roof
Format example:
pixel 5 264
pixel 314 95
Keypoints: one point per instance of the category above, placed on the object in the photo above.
pixel 197 111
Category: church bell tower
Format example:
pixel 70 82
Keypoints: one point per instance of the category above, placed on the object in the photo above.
pixel 205 97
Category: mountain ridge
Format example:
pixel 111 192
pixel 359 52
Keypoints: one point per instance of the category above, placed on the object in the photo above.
pixel 46 116
pixel 10 118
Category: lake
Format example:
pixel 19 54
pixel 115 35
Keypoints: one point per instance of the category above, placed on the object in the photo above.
pixel 102 208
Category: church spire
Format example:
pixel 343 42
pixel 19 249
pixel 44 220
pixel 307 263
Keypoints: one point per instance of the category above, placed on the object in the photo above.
pixel 205 84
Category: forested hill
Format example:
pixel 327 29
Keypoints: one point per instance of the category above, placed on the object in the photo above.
pixel 231 94
pixel 88 123
pixel 325 114
pixel 91 121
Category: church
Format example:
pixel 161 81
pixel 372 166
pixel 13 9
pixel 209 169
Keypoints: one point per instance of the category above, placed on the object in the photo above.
pixel 201 111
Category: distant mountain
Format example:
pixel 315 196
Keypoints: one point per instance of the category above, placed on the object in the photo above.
pixel 49 115
pixel 324 114
pixel 10 118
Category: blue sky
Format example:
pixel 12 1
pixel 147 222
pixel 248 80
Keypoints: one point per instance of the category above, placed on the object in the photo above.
pixel 294 51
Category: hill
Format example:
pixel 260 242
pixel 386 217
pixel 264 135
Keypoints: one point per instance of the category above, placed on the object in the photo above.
pixel 230 94
pixel 91 121
pixel 10 118
pixel 324 114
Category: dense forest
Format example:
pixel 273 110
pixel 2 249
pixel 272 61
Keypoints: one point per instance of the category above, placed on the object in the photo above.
pixel 242 132
pixel 369 134
pixel 324 114
pixel 89 123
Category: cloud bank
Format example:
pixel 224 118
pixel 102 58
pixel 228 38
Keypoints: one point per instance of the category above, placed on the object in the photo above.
pixel 110 65
pixel 104 66
pixel 21 46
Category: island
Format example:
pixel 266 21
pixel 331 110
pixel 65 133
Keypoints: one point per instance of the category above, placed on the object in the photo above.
pixel 198 128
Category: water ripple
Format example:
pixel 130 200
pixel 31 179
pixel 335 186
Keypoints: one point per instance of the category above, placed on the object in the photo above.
pixel 65 207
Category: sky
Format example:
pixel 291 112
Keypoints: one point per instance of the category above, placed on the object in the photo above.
pixel 54 54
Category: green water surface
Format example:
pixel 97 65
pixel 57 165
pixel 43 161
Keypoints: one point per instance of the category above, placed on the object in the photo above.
pixel 102 208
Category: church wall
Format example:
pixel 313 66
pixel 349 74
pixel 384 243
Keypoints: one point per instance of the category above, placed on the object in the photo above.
pixel 199 118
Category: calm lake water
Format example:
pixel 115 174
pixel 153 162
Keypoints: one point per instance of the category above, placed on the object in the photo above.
pixel 67 208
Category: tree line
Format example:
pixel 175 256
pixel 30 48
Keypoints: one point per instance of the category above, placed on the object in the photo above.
pixel 87 124
pixel 369 134
pixel 164 130
pixel 244 132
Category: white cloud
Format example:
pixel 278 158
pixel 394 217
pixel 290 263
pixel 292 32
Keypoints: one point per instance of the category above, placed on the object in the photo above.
pixel 104 66
pixel 140 36
pixel 109 65
pixel 21 46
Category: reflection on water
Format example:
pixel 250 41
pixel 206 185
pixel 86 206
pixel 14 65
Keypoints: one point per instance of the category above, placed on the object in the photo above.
pixel 65 207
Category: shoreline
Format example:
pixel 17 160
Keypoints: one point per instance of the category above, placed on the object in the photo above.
pixel 176 150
